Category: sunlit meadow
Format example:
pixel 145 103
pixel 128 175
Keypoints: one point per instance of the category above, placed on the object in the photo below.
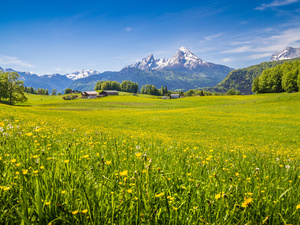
pixel 142 160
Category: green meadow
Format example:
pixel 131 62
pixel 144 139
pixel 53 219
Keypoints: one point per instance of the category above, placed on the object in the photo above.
pixel 143 160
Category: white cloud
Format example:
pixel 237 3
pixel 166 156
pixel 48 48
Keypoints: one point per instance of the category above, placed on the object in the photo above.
pixel 9 60
pixel 259 56
pixel 128 29
pixel 276 3
pixel 226 60
pixel 241 49
pixel 268 45
pixel 58 69
pixel 208 38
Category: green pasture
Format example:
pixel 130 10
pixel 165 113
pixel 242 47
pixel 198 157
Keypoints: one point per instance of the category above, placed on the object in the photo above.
pixel 143 160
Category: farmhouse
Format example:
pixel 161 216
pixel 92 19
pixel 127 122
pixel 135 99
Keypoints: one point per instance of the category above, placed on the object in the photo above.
pixel 174 96
pixel 89 94
pixel 108 92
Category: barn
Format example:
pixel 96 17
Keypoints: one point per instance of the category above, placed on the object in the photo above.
pixel 89 94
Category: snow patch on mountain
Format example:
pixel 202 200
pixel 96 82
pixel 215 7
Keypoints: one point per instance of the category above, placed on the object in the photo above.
pixel 288 53
pixel 82 74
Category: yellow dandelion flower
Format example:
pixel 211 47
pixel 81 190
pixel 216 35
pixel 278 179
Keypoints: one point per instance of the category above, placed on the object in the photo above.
pixel 35 171
pixel 84 211
pixel 298 206
pixel 47 203
pixel 218 196
pixel 75 212
pixel 247 202
pixel 85 156
pixel 159 195
pixel 24 172
pixel 63 192
pixel 66 161
pixel 129 191
pixel 6 188
pixel 138 155
pixel 29 134
pixel 13 160
pixel 170 198
pixel 124 173
pixel 42 167
pixel 108 162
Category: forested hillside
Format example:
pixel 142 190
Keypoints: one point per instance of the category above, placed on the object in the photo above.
pixel 281 78
pixel 242 79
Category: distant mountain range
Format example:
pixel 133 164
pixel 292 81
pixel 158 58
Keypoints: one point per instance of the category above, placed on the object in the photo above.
pixel 183 71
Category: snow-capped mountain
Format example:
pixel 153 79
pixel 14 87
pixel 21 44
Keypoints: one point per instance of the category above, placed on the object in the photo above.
pixel 149 63
pixel 183 59
pixel 288 53
pixel 82 74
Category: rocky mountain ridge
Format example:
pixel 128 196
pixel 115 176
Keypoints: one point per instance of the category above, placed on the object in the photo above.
pixel 288 53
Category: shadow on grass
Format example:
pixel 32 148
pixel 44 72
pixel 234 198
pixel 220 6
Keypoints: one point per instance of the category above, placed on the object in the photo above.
pixel 7 103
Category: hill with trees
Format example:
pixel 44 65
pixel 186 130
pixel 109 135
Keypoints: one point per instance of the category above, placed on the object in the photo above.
pixel 242 79
pixel 285 77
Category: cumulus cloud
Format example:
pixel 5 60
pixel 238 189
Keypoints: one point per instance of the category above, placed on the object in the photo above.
pixel 9 60
pixel 275 3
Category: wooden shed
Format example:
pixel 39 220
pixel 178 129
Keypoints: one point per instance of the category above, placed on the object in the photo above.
pixel 174 96
pixel 89 94
pixel 108 92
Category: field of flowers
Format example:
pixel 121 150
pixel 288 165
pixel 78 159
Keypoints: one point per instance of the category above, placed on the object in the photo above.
pixel 137 160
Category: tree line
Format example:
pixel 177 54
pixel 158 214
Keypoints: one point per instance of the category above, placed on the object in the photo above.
pixel 281 78
pixel 127 86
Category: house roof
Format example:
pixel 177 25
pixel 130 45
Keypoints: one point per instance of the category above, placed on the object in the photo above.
pixel 111 91
pixel 91 92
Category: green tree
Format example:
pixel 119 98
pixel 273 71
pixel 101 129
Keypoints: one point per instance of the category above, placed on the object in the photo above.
pixel 13 88
pixel 255 85
pixel 190 92
pixel 68 91
pixel 231 92
pixel 298 81
pixel 3 85
pixel 289 81
pixel 53 92
pixel 105 85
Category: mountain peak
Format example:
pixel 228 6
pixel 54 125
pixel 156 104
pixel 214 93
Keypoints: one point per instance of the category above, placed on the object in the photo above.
pixel 183 59
pixel 287 53
pixel 184 49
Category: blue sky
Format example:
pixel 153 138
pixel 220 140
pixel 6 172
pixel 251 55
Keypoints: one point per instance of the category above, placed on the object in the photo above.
pixel 64 36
